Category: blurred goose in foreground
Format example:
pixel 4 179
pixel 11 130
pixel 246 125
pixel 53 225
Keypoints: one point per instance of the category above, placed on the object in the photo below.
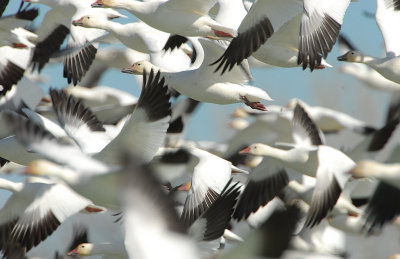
pixel 308 156
pixel 143 133
pixel 210 175
pixel 150 219
pixel 36 209
pixel 12 32
pixel 383 206
pixel 201 84
pixel 387 16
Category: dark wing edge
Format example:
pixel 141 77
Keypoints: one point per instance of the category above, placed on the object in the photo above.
pixel 258 194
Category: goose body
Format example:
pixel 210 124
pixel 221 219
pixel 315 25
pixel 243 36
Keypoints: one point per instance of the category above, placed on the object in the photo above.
pixel 199 83
pixel 286 33
pixel 308 156
pixel 186 18
pixel 36 209
pixel 386 17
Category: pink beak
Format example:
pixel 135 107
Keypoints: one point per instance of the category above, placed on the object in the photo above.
pixel 77 22
pixel 245 151
pixel 98 3
pixel 73 252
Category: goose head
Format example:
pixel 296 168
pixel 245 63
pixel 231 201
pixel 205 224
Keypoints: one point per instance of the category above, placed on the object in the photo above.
pixel 40 167
pixel 352 56
pixel 256 149
pixel 88 21
pixel 83 249
pixel 139 68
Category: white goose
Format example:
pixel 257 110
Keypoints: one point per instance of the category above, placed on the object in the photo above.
pixel 367 75
pixel 109 250
pixel 36 209
pixel 142 193
pixel 181 17
pixel 201 84
pixel 210 175
pixel 142 134
pixel 137 35
pixel 329 120
pixel 270 32
pixel 12 32
pixel 310 157
pixel 55 27
pixel 386 17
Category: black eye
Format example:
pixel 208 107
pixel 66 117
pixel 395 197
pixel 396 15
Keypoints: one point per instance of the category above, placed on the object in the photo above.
pixel 83 246
pixel 88 17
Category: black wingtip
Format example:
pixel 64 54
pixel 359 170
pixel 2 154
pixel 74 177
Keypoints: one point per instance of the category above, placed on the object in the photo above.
pixel 31 235
pixel 174 41
pixel 154 98
pixel 77 64
pixel 71 110
pixel 46 48
pixel 80 233
pixel 220 212
pixel 314 47
pixel 302 119
pixel 27 14
pixel 382 136
pixel 259 193
pixel 242 46
pixel 382 208
pixel 10 75
pixel 320 206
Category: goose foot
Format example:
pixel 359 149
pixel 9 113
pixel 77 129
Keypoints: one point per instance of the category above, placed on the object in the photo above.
pixel 320 67
pixel 253 105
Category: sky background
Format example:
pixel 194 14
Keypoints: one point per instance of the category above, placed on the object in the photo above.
pixel 326 87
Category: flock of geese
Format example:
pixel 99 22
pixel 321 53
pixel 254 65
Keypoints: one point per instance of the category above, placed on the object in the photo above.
pixel 270 192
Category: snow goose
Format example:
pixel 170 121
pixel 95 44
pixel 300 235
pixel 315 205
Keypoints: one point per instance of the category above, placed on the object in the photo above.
pixel 229 13
pixel 130 34
pixel 109 58
pixel 329 120
pixel 111 250
pixel 11 31
pixel 199 83
pixel 271 239
pixel 210 226
pixel 310 157
pixel 36 209
pixel 383 205
pixel 143 133
pixel 148 214
pixel 110 105
pixel 190 18
pixel 206 183
pixel 368 76
pixel 55 27
pixel 79 122
pixel 279 21
pixel 386 16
